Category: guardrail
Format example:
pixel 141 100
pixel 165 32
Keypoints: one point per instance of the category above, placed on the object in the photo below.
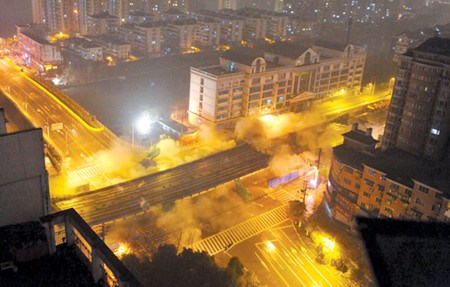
pixel 77 108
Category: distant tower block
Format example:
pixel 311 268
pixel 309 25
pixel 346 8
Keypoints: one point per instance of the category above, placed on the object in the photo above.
pixel 228 4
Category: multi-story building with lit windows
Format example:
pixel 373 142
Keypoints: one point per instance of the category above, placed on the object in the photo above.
pixel 118 8
pixel 87 8
pixel 182 5
pixel 284 78
pixel 366 181
pixel 256 23
pixel 102 23
pixel 231 26
pixel 61 16
pixel 408 177
pixel 207 33
pixel 37 51
pixel 227 4
pixel 419 117
pixel 145 38
pixel 179 35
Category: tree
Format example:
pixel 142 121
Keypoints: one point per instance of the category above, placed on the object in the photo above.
pixel 235 267
pixel 295 211
pixel 168 268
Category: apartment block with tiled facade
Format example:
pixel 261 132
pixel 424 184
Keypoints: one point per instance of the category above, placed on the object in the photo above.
pixel 367 181
pixel 283 78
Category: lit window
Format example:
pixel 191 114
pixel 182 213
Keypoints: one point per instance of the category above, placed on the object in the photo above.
pixel 423 189
pixel 435 131
pixel 232 67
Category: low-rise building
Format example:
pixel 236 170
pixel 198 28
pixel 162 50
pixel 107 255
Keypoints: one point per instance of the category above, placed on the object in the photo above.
pixel 139 17
pixel 286 77
pixel 113 47
pixel 231 26
pixel 173 15
pixel 145 38
pixel 179 36
pixel 207 33
pixel 102 23
pixel 367 181
pixel 85 49
pixel 37 51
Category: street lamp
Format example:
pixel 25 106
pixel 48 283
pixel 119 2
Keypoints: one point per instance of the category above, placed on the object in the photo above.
pixel 142 125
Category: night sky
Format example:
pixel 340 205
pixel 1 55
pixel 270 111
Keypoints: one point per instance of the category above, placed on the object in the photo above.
pixel 13 12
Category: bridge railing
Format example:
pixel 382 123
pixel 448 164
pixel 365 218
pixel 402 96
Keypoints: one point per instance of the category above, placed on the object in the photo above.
pixel 77 108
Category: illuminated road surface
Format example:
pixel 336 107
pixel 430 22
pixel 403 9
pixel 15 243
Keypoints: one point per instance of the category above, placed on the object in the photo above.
pixel 77 140
pixel 130 198
pixel 280 258
pixel 343 104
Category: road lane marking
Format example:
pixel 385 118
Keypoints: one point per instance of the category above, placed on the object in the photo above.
pixel 262 262
pixel 56 99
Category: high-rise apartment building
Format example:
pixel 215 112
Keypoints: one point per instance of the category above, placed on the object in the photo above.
pixel 227 4
pixel 38 11
pixel 118 8
pixel 409 176
pixel 87 8
pixel 182 5
pixel 418 120
pixel 62 16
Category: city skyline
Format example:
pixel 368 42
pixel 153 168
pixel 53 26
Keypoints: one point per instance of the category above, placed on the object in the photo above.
pixel 179 143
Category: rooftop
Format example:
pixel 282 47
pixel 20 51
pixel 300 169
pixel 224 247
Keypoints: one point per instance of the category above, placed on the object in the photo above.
pixel 360 136
pixel 219 15
pixel 399 166
pixel 111 39
pixel 64 268
pixel 331 45
pixel 181 22
pixel 243 56
pixel 36 38
pixel 436 45
pixel 173 11
pixel 407 253
pixel 81 42
pixel 152 24
pixel 103 15
pixel 217 70
pixel 139 14
pixel 286 49
pixel 17 236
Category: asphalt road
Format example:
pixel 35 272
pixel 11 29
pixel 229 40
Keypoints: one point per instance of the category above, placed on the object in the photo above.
pixel 75 140
pixel 135 196
pixel 280 258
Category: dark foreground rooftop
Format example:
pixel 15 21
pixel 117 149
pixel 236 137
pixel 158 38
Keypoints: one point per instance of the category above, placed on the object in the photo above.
pixel 64 268
pixel 407 253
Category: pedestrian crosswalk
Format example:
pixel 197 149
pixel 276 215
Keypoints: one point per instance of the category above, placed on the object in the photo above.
pixel 85 175
pixel 281 195
pixel 238 233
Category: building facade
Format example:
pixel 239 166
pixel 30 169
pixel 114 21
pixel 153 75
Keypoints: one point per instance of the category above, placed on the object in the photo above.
pixel 365 181
pixel 38 51
pixel 24 193
pixel 84 48
pixel 207 33
pixel 418 119
pixel 102 23
pixel 285 78
pixel 408 177
pixel 227 4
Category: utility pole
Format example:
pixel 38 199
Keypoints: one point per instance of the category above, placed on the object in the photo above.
pixel 349 29
pixel 103 234
pixel 319 155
